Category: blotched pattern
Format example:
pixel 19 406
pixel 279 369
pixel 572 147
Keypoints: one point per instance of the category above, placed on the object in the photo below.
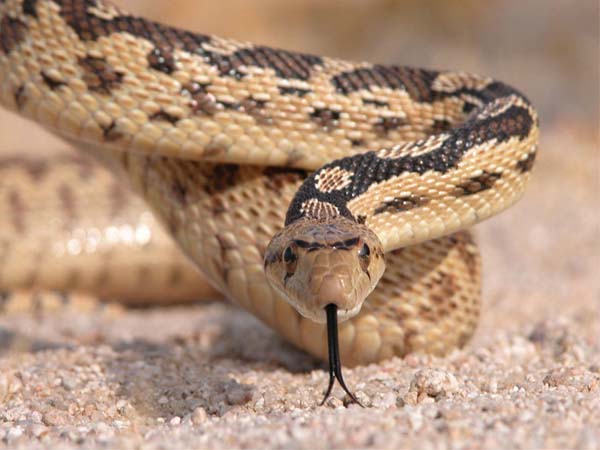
pixel 221 136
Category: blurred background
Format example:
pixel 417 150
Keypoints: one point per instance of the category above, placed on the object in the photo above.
pixel 542 257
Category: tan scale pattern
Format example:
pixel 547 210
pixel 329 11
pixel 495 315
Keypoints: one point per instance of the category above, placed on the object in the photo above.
pixel 454 81
pixel 75 228
pixel 209 153
pixel 315 209
pixel 333 180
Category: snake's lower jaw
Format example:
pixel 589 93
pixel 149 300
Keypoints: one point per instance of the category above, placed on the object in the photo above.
pixel 320 316
pixel 345 314
pixel 317 314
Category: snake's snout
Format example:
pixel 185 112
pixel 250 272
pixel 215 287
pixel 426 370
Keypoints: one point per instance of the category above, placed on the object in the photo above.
pixel 314 264
pixel 333 288
pixel 334 278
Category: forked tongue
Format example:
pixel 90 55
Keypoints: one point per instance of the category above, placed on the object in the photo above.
pixel 335 366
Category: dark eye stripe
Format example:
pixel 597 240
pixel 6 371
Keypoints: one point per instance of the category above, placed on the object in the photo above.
pixel 351 242
pixel 340 245
pixel 303 244
pixel 345 245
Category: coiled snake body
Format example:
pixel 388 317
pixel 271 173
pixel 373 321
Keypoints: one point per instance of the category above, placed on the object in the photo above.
pixel 220 137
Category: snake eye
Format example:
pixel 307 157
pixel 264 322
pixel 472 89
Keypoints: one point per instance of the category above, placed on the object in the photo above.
pixel 364 251
pixel 364 257
pixel 289 256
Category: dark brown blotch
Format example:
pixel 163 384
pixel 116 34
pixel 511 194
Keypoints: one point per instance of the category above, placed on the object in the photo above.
pixel 285 64
pixel 401 204
pixel 110 132
pixel 35 168
pixel 468 107
pixel 224 246
pixel 256 109
pixel 325 118
pixel 386 124
pixel 217 206
pixel 221 178
pixel 51 82
pixel 161 59
pixel 89 25
pixel 515 122
pixel 29 8
pixel 477 184
pixel 526 164
pixel 377 103
pixel 440 126
pixel 442 293
pixel 179 191
pixel 201 101
pixel 164 116
pixel 98 75
pixel 12 32
pixel 192 88
pixel 287 90
pixel 20 96
pixel 416 82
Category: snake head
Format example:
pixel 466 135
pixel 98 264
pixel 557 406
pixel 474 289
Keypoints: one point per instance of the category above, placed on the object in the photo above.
pixel 313 263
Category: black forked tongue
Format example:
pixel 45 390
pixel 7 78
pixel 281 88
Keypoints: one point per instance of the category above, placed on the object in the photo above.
pixel 335 366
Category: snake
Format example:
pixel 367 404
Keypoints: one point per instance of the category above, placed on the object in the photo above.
pixel 331 199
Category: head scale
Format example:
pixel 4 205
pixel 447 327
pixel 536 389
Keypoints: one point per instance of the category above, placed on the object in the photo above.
pixel 313 263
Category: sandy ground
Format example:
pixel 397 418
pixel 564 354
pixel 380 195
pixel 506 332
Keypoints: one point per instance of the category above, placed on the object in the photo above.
pixel 211 376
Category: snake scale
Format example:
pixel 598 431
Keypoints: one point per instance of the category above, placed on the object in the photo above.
pixel 381 168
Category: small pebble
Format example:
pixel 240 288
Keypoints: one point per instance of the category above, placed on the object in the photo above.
pixel 54 417
pixel 387 401
pixel 14 433
pixel 199 415
pixel 434 382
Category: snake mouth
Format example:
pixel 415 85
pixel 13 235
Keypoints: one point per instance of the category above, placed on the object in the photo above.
pixel 320 315
pixel 333 346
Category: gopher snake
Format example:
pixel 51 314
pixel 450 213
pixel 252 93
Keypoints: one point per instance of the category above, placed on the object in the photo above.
pixel 219 137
